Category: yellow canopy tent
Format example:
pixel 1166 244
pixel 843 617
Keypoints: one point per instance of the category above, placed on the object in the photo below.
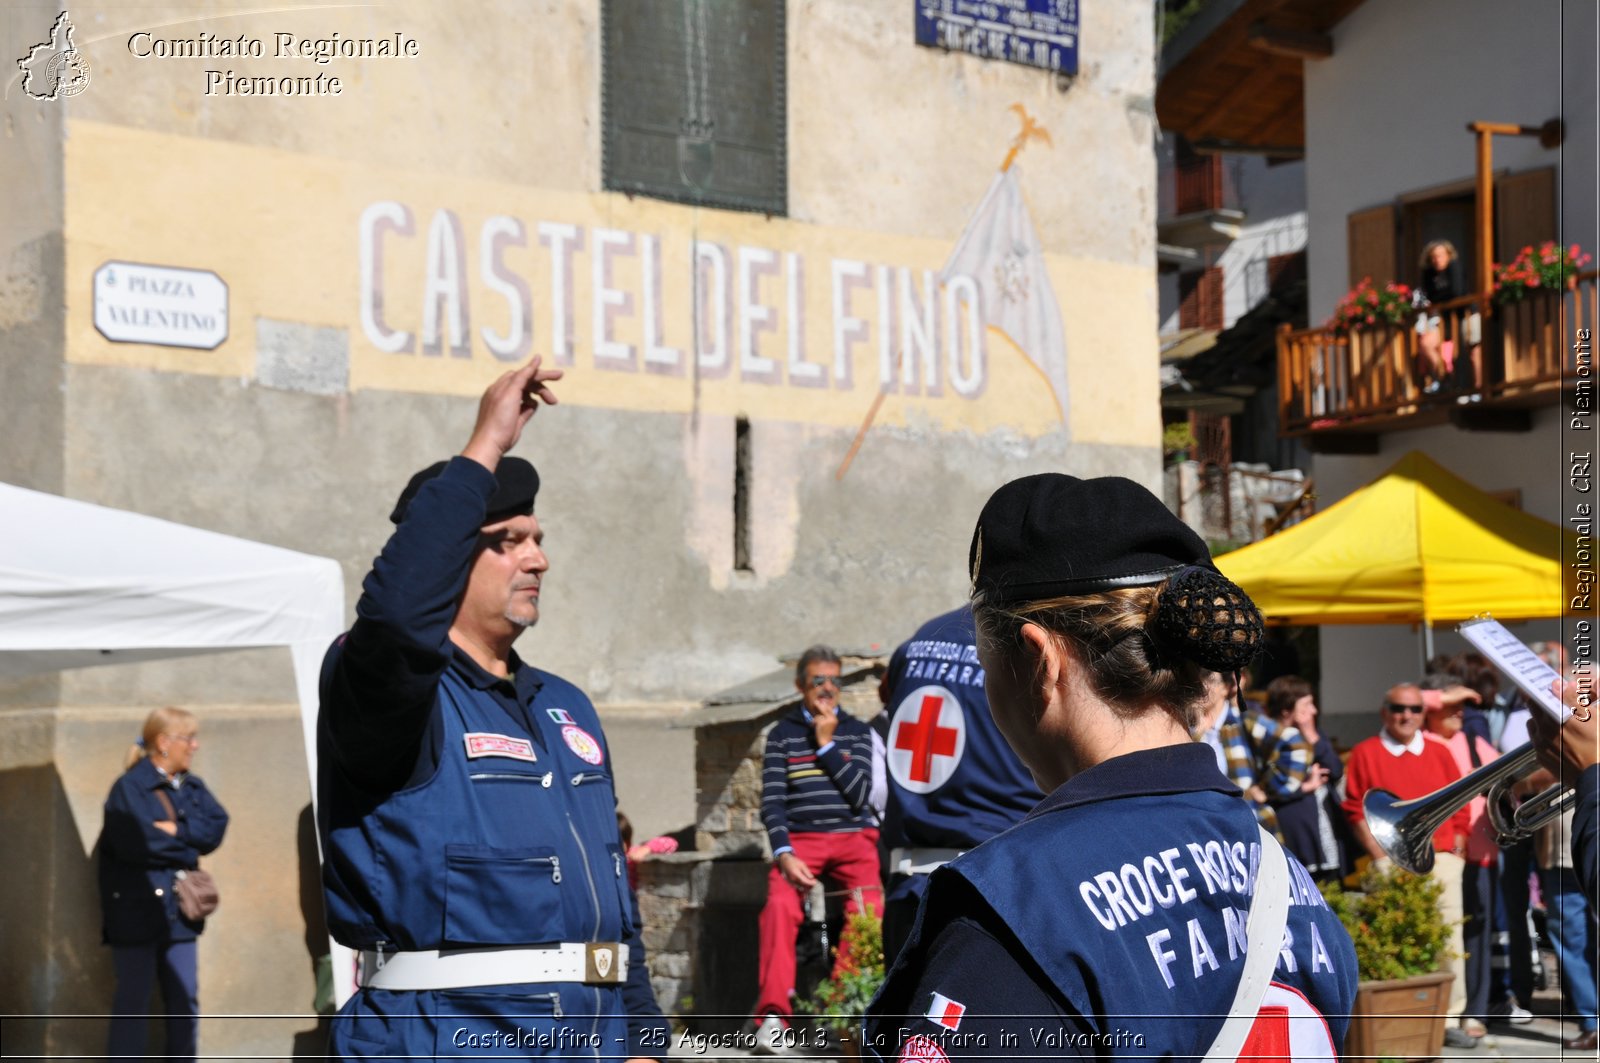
pixel 1417 545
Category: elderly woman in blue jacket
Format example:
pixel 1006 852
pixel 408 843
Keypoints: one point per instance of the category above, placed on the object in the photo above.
pixel 159 820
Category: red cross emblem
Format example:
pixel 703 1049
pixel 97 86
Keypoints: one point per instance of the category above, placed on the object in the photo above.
pixel 926 739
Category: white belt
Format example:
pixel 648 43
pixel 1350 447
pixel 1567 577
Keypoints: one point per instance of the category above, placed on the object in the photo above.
pixel 593 963
pixel 920 861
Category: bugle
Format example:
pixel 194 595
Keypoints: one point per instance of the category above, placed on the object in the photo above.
pixel 1404 829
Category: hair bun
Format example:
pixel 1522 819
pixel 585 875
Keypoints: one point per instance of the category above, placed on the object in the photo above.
pixel 1205 617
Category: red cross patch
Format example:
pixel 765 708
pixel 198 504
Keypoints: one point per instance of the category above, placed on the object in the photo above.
pixel 926 739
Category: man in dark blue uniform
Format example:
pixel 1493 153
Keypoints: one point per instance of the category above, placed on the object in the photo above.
pixel 466 808
pixel 953 781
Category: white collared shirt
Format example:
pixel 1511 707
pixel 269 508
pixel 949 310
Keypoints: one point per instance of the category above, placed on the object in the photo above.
pixel 1398 750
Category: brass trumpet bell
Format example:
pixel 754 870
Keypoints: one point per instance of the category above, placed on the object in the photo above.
pixel 1404 829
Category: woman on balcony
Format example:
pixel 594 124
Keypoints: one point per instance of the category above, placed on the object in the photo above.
pixel 1441 282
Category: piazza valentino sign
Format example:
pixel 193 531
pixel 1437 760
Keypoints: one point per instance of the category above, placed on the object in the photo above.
pixel 440 283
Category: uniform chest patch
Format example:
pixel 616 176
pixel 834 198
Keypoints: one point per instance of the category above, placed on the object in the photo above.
pixel 922 1050
pixel 485 744
pixel 559 715
pixel 582 743
pixel 946 1012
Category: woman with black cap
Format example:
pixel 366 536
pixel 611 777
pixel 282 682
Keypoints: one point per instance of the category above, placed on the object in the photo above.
pixel 1139 910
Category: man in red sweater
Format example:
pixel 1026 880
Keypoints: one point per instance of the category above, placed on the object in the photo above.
pixel 1400 760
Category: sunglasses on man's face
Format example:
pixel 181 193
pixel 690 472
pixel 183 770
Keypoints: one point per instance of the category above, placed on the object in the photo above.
pixel 820 681
pixel 1398 709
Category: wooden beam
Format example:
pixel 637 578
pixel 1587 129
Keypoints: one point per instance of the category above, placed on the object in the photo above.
pixel 1484 281
pixel 1477 418
pixel 1199 66
pixel 1290 118
pixel 1326 442
pixel 1239 147
pixel 1218 113
pixel 1550 134
pixel 1182 87
pixel 1296 44
pixel 1505 129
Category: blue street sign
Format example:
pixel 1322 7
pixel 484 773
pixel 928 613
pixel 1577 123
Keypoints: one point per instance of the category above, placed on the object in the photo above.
pixel 1037 33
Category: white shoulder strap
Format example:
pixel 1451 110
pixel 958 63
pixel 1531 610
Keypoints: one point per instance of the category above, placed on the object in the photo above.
pixel 1269 912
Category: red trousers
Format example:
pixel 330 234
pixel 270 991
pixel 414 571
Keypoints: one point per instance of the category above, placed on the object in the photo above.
pixel 851 860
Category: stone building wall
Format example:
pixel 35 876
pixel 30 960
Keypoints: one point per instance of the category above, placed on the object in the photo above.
pixel 299 428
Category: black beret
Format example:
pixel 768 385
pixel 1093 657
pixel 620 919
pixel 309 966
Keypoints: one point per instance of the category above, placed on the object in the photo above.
pixel 1053 535
pixel 516 482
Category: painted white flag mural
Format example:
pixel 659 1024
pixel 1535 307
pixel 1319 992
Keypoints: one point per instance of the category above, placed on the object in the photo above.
pixel 1001 252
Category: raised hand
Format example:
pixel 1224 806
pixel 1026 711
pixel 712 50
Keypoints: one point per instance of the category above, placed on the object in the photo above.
pixel 507 406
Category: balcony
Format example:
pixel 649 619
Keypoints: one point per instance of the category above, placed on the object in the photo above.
pixel 1198 205
pixel 1340 392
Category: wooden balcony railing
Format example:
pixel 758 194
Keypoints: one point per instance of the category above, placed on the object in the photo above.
pixel 1332 382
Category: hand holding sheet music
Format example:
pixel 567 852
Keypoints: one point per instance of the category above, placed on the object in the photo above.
pixel 1521 665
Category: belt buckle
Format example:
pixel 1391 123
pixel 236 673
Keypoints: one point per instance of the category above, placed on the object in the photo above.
pixel 601 963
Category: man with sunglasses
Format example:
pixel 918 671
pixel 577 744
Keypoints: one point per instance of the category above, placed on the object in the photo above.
pixel 1398 759
pixel 816 788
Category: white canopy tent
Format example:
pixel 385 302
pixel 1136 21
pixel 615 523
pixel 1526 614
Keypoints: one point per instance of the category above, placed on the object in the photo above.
pixel 82 584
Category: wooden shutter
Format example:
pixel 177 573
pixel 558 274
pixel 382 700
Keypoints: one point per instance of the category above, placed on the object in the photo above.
pixel 1199 184
pixel 1525 212
pixel 1371 234
pixel 1200 299
pixel 1189 298
pixel 1284 270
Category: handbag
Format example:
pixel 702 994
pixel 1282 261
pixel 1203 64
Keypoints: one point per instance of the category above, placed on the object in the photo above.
pixel 196 889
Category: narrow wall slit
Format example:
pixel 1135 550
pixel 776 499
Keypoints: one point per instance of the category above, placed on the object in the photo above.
pixel 741 495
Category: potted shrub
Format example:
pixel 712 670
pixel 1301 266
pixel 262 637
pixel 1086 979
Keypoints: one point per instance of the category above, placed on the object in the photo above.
pixel 1366 306
pixel 1373 322
pixel 1177 441
pixel 1547 268
pixel 838 1004
pixel 1401 941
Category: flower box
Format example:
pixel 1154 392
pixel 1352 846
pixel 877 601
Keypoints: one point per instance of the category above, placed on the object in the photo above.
pixel 1402 1018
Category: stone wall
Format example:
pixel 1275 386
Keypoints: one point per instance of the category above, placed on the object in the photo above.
pixel 699 913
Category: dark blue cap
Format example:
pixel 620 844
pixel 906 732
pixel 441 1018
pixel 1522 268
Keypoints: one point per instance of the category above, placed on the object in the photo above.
pixel 516 483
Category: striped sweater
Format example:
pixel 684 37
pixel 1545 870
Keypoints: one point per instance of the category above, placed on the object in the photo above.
pixel 810 792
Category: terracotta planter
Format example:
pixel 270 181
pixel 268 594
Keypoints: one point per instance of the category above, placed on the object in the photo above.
pixel 1399 1019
